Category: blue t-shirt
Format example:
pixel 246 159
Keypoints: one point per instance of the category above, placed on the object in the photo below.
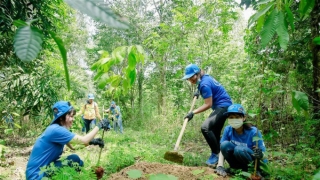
pixel 116 110
pixel 48 148
pixel 209 87
pixel 245 139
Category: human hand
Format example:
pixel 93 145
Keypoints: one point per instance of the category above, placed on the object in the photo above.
pixel 104 124
pixel 97 141
pixel 189 116
pixel 257 153
pixel 196 94
pixel 221 171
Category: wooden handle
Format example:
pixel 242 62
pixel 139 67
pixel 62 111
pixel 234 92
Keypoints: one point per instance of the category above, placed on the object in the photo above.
pixel 184 125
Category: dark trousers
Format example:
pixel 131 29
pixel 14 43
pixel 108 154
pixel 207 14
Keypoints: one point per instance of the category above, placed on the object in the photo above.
pixel 87 123
pixel 212 126
pixel 73 160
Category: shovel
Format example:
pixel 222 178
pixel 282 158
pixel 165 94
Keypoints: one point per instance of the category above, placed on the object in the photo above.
pixel 174 155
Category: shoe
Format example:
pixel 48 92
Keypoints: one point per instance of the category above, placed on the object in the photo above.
pixel 213 160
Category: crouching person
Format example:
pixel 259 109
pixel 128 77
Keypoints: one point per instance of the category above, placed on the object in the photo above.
pixel 49 146
pixel 237 145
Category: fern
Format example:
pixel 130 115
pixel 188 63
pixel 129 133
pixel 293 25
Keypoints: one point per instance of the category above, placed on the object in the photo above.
pixel 256 16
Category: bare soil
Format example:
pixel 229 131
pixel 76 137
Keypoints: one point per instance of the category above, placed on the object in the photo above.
pixel 181 172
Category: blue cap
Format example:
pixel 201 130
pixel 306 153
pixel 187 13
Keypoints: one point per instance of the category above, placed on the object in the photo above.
pixel 191 70
pixel 236 109
pixel 113 103
pixel 60 108
pixel 90 96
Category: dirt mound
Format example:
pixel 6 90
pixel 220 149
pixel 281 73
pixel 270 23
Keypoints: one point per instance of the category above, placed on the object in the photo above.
pixel 181 172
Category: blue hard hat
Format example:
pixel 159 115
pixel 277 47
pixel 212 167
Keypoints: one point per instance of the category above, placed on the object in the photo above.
pixel 236 109
pixel 191 70
pixel 90 96
pixel 60 108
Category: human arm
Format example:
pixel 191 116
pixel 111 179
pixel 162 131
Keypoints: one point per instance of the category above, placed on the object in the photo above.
pixel 97 112
pixel 207 105
pixel 81 111
pixel 70 146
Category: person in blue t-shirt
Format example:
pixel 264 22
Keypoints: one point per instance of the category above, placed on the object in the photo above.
pixel 216 98
pixel 115 115
pixel 237 145
pixel 49 146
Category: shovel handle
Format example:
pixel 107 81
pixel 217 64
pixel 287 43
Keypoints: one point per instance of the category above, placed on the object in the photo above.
pixel 184 125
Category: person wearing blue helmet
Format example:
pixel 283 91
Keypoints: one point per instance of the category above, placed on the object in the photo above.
pixel 90 112
pixel 237 145
pixel 115 115
pixel 215 97
pixel 50 144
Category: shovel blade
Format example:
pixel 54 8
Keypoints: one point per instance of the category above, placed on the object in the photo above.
pixel 173 156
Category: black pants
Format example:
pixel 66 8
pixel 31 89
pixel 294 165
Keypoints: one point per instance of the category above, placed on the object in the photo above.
pixel 212 126
pixel 87 123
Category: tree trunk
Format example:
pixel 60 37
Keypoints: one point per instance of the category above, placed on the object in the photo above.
pixel 315 28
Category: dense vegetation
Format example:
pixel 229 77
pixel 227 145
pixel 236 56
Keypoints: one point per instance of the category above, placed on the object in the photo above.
pixel 270 64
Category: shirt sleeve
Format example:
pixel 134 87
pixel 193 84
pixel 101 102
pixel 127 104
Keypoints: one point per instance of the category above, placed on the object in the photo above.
pixel 205 92
pixel 60 135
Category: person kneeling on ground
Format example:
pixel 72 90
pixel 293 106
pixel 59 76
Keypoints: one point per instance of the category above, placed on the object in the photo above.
pixel 49 146
pixel 237 145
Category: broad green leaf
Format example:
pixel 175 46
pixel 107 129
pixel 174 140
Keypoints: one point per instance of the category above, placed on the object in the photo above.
pixel 17 125
pixel 316 40
pixel 103 81
pixel 134 174
pixel 115 80
pixel 263 2
pixel 316 176
pixel 19 23
pixel 256 138
pixel 260 22
pixel 197 171
pixel 131 74
pixel 119 53
pixel 246 174
pixel 95 65
pixel 8 131
pixel 63 53
pixel 282 31
pixel 98 75
pixel 256 16
pixel 269 28
pixel 300 101
pixel 2 142
pixel 98 12
pixel 132 60
pixel 15 114
pixel 27 43
pixel 290 17
pixel 305 8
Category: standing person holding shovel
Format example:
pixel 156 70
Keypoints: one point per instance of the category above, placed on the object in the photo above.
pixel 216 98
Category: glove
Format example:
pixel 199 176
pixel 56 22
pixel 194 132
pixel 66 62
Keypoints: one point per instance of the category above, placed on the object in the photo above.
pixel 257 153
pixel 189 116
pixel 196 94
pixel 97 141
pixel 221 171
pixel 104 124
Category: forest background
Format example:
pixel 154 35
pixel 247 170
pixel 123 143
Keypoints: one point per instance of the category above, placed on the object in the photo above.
pixel 269 63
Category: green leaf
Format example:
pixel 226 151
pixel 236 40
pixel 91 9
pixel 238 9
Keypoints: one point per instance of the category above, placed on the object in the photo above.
pixel 8 131
pixel 63 53
pixel 290 17
pixel 305 8
pixel 103 81
pixel 316 40
pixel 300 101
pixel 131 74
pixel 27 43
pixel 17 125
pixel 256 138
pixel 260 23
pixel 19 23
pixel 246 174
pixel 318 90
pixel 256 16
pixel 282 31
pixel 269 28
pixel 316 176
pixel 263 2
pixel 98 12
pixel 2 142
pixel 197 171
pixel 134 174
pixel 132 60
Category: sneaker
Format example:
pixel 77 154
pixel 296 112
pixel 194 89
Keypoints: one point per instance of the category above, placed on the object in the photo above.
pixel 213 160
